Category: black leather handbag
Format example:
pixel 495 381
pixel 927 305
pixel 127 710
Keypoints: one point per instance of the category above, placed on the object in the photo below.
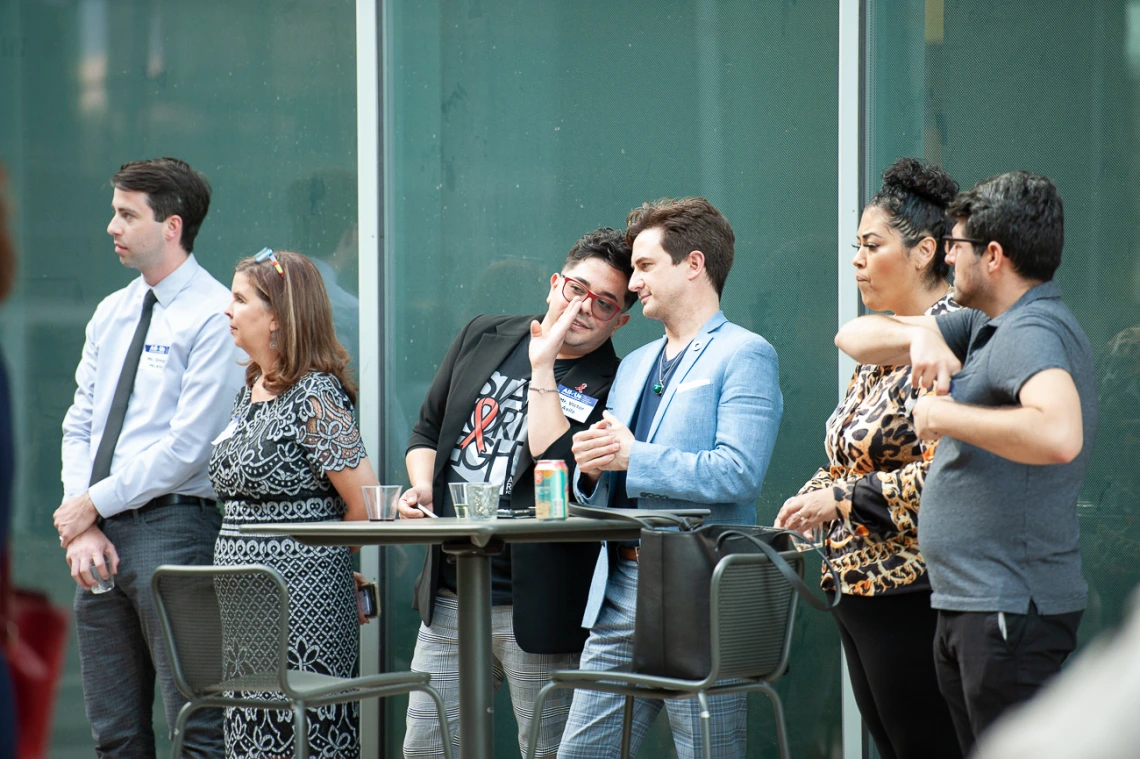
pixel 671 633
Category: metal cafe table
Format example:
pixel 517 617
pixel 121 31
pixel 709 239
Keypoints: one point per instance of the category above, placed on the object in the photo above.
pixel 472 543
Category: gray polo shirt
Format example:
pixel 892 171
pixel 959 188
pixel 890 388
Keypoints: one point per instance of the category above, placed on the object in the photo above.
pixel 996 534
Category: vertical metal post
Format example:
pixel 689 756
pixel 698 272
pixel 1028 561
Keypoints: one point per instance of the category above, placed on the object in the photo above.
pixel 476 699
pixel 850 176
pixel 850 182
pixel 370 203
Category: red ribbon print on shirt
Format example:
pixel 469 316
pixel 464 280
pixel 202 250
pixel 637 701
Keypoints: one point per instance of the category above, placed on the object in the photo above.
pixel 486 409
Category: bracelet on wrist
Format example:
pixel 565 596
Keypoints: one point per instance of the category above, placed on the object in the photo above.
pixel 534 389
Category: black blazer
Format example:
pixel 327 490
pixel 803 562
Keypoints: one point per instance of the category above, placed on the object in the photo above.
pixel 550 582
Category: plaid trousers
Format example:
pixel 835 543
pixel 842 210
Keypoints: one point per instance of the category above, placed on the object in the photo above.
pixel 437 653
pixel 593 730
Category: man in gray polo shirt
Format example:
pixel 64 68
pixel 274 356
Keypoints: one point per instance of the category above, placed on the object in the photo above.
pixel 998 526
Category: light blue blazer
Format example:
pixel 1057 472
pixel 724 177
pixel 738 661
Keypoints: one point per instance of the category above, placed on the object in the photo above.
pixel 712 437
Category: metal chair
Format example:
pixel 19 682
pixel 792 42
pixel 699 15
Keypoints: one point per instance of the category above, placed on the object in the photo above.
pixel 227 630
pixel 752 609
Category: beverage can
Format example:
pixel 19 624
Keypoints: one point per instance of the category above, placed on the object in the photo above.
pixel 551 482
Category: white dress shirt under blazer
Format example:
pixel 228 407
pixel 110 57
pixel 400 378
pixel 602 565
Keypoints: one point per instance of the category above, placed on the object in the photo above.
pixel 187 378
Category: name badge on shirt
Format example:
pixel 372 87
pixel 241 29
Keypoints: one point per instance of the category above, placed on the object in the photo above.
pixel 575 405
pixel 227 433
pixel 155 356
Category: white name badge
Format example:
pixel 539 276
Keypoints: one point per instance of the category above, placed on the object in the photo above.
pixel 155 356
pixel 227 433
pixel 575 405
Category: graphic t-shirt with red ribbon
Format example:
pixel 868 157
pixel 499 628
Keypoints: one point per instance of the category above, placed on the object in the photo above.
pixel 488 449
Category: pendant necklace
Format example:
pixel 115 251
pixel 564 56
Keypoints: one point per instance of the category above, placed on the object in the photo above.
pixel 665 369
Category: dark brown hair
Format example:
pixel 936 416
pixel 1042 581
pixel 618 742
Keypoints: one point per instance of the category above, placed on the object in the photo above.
pixel 1022 212
pixel 306 338
pixel 608 245
pixel 172 189
pixel 686 225
pixel 915 197
pixel 7 246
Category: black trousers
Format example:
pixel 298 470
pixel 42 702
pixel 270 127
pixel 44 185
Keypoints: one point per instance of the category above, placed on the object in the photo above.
pixel 988 662
pixel 887 641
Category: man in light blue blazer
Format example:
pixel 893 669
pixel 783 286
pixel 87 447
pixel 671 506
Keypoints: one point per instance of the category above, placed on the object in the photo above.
pixel 692 422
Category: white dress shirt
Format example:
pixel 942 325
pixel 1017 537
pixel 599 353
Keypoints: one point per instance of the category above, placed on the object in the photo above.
pixel 184 391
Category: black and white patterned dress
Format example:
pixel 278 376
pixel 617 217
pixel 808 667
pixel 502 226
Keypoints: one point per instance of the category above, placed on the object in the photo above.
pixel 272 469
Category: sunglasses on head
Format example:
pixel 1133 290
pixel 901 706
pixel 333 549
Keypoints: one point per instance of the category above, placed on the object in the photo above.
pixel 266 254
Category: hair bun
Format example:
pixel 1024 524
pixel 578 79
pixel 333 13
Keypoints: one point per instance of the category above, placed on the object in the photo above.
pixel 930 182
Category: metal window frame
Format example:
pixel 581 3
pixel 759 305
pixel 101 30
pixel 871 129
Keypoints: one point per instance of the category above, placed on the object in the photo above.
pixel 370 197
pixel 851 117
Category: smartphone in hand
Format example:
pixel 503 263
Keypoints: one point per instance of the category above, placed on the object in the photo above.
pixel 368 600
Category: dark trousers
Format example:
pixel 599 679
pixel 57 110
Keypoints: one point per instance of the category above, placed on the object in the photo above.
pixel 983 670
pixel 886 641
pixel 121 647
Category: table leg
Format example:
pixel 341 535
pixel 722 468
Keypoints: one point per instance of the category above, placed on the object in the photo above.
pixel 476 699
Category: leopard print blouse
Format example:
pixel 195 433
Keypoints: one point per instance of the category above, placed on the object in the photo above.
pixel 878 466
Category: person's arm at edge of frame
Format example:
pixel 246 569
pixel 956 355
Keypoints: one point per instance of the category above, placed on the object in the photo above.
pixel 1047 428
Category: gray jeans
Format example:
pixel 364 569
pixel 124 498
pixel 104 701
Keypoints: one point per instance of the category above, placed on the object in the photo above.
pixel 437 653
pixel 121 648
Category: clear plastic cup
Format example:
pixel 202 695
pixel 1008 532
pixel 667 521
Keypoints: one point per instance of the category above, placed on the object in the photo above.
pixel 380 501
pixel 101 585
pixel 483 500
pixel 475 500
pixel 459 499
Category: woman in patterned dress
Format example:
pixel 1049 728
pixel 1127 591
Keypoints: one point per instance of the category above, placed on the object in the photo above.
pixel 867 497
pixel 292 453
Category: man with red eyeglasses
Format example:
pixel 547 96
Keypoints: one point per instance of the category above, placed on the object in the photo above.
pixel 513 390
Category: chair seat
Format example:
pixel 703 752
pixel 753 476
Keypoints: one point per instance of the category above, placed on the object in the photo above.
pixel 253 635
pixel 654 686
pixel 309 684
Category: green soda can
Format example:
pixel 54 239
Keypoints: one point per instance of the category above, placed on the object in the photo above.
pixel 551 482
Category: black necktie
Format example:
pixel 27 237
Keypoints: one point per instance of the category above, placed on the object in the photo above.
pixel 101 469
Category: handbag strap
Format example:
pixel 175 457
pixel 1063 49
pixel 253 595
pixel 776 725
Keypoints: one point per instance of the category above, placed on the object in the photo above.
pixel 784 568
pixel 595 513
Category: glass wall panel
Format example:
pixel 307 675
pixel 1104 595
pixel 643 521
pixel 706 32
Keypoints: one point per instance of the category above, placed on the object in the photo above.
pixel 1051 87
pixel 259 95
pixel 515 127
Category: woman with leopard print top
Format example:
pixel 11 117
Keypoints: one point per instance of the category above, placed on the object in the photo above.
pixel 867 497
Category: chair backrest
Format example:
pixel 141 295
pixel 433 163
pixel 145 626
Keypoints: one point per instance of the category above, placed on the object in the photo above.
pixel 224 624
pixel 752 608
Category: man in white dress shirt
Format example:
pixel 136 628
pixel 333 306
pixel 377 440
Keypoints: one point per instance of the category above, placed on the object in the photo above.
pixel 156 384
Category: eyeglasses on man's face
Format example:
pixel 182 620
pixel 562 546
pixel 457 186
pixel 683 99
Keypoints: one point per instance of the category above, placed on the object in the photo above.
pixel 601 307
pixel 949 242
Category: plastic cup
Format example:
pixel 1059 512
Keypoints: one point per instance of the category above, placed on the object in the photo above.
pixel 459 499
pixel 101 585
pixel 380 501
pixel 483 500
